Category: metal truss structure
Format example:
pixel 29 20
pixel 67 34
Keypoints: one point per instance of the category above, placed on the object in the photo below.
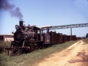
pixel 65 26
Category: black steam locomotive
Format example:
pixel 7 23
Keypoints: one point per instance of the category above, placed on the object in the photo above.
pixel 28 38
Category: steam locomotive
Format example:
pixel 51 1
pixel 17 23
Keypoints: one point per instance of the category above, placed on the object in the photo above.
pixel 28 38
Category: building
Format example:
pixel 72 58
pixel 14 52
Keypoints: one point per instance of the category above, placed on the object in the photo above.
pixel 6 38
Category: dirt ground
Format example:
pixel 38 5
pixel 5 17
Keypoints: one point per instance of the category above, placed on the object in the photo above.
pixel 75 55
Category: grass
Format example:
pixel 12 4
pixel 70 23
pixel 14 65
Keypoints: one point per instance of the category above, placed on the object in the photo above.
pixel 85 40
pixel 33 57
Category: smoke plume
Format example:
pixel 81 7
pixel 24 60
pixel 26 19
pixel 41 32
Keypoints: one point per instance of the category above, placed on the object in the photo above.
pixel 14 11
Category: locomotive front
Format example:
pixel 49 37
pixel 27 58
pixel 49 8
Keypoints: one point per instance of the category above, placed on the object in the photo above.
pixel 24 33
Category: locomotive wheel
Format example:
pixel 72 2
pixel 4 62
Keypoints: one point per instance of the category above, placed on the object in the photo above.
pixel 33 46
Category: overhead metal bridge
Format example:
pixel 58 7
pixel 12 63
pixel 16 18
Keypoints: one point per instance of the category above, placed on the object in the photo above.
pixel 65 26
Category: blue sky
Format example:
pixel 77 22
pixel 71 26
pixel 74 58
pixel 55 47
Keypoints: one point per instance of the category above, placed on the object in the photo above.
pixel 47 12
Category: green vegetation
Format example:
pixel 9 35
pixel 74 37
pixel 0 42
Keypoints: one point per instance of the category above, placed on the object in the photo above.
pixel 3 45
pixel 33 57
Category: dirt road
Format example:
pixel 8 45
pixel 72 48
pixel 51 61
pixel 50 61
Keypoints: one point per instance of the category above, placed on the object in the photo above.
pixel 75 55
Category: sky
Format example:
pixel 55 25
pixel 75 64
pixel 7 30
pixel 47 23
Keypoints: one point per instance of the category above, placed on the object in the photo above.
pixel 47 12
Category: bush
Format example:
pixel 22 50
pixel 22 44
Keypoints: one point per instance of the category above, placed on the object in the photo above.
pixel 3 45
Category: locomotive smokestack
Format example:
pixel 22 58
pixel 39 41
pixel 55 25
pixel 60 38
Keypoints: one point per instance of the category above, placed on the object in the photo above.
pixel 21 23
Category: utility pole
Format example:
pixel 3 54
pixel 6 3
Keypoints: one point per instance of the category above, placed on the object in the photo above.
pixel 71 33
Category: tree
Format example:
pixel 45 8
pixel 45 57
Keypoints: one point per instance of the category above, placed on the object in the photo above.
pixel 87 35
